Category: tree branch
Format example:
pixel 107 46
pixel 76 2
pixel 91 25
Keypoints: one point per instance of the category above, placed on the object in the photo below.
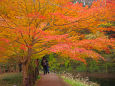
pixel 24 39
pixel 18 42
pixel 6 22
pixel 39 51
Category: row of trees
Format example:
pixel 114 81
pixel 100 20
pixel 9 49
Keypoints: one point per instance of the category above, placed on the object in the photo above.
pixel 59 64
pixel 30 29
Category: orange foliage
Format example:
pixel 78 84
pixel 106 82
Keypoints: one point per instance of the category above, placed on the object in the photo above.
pixel 58 26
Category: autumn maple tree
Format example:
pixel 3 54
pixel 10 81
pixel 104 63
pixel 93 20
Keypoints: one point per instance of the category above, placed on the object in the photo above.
pixel 39 27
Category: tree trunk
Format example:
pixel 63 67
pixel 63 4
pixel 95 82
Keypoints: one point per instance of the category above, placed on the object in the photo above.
pixel 20 67
pixel 25 74
pixel 29 73
pixel 0 70
pixel 25 66
pixel 3 69
pixel 36 68
pixel 17 68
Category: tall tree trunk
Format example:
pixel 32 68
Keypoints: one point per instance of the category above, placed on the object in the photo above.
pixel 25 68
pixel 31 75
pixel 25 74
pixel 36 68
pixel 29 72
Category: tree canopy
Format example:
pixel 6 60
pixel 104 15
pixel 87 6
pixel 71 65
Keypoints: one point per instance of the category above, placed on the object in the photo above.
pixel 44 26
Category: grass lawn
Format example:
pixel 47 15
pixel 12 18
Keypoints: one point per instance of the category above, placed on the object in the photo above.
pixel 11 79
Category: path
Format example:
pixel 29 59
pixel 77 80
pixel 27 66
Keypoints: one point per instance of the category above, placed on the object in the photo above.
pixel 51 80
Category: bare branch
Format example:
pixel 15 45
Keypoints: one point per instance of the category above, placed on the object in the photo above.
pixel 24 39
pixel 82 19
pixel 39 51
pixel 7 27
pixel 18 42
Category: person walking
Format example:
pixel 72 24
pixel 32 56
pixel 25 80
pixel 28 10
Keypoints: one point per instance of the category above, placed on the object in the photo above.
pixel 45 65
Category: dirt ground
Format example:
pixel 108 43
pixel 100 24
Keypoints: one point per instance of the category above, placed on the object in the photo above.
pixel 51 80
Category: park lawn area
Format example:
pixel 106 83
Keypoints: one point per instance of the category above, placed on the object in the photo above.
pixel 11 79
pixel 77 82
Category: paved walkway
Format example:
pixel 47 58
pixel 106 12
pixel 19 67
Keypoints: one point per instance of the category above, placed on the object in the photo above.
pixel 51 80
